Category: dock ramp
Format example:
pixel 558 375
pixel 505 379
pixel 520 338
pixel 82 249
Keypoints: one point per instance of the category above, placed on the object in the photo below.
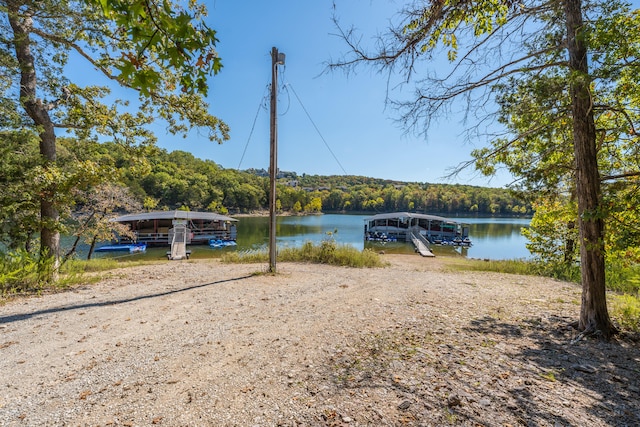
pixel 178 238
pixel 421 244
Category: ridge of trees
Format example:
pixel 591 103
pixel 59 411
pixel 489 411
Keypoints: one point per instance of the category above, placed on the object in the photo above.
pixel 177 179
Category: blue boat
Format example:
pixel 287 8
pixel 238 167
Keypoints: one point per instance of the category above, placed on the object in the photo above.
pixel 217 243
pixel 131 248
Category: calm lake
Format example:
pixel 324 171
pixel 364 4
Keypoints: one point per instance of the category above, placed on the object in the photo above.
pixel 493 238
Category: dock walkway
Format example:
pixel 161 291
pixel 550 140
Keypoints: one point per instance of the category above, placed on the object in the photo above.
pixel 178 243
pixel 421 244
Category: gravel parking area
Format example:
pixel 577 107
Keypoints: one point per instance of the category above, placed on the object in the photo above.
pixel 201 343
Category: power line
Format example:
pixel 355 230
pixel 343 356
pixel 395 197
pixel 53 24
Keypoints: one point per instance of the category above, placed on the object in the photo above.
pixel 260 106
pixel 316 127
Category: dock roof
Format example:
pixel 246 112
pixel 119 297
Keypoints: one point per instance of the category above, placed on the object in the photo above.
pixel 177 214
pixel 409 215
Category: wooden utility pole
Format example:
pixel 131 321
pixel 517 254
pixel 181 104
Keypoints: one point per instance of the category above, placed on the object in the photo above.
pixel 276 59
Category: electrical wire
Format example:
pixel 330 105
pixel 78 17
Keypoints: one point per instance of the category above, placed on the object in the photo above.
pixel 316 127
pixel 261 105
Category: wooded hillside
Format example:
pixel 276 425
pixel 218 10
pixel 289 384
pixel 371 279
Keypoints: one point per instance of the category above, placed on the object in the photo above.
pixel 163 180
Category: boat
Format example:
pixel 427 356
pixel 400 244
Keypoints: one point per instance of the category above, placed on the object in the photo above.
pixel 218 243
pixel 157 228
pixel 380 237
pixel 131 248
pixel 404 226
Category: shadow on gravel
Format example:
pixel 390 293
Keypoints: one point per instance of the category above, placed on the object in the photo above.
pixel 24 316
pixel 607 372
pixel 489 372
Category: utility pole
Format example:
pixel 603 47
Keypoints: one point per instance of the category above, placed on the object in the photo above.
pixel 276 59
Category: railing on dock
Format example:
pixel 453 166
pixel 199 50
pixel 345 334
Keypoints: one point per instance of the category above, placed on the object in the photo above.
pixel 421 244
pixel 179 238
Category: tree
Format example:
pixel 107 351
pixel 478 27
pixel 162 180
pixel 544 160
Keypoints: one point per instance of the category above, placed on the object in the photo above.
pixel 97 206
pixel 536 109
pixel 315 205
pixel 160 50
pixel 19 206
pixel 503 40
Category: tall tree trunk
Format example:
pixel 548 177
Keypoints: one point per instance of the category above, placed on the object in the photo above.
pixel 594 317
pixel 22 26
pixel 570 243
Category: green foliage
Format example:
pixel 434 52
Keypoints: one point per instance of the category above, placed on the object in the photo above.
pixel 163 35
pixel 440 23
pixel 22 272
pixel 625 310
pixel 501 266
pixel 552 233
pixel 77 268
pixel 162 51
pixel 363 194
pixel 560 271
pixel 170 180
pixel 19 204
pixel 623 276
pixel 19 272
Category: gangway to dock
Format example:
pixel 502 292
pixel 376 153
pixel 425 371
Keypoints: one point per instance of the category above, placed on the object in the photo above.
pixel 178 236
pixel 421 244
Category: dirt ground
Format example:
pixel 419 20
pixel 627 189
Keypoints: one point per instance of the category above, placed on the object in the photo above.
pixel 200 343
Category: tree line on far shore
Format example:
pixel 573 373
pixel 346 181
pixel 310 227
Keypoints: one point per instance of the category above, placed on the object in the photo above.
pixel 178 180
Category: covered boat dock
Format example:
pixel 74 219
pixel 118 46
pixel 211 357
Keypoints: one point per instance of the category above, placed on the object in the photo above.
pixel 156 228
pixel 405 226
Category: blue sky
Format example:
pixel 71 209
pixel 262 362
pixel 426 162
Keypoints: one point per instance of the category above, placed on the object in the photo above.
pixel 354 125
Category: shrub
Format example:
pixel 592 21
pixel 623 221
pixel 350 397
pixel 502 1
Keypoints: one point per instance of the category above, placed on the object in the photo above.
pixel 22 271
pixel 625 310
pixel 326 252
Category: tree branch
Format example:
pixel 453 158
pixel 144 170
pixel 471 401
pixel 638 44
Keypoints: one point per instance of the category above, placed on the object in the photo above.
pixel 619 176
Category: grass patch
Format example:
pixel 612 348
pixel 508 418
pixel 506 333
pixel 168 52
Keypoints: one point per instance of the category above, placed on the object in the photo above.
pixel 24 273
pixel 549 376
pixel 622 277
pixel 517 266
pixel 247 257
pixel 625 310
pixel 500 266
pixel 326 252
pixel 76 266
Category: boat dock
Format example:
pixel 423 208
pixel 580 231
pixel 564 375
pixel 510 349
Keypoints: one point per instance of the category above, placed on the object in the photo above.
pixel 420 229
pixel 155 228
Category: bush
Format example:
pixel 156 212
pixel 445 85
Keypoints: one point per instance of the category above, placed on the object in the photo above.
pixel 326 252
pixel 622 277
pixel 625 310
pixel 22 271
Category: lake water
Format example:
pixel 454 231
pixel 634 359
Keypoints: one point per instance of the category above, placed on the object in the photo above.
pixel 493 238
